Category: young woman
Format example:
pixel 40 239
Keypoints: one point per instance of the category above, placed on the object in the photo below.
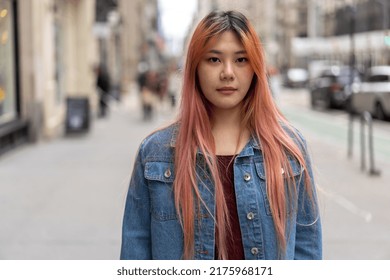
pixel 230 179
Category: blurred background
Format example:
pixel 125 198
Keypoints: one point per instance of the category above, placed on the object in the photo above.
pixel 82 82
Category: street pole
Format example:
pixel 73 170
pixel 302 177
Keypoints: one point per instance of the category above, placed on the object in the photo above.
pixel 385 24
pixel 352 12
pixel 352 39
pixel 385 14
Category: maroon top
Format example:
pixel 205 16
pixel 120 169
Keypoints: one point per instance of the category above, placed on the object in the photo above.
pixel 235 248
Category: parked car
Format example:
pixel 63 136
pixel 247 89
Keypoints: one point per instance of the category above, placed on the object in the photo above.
pixel 373 95
pixel 330 88
pixel 316 67
pixel 296 77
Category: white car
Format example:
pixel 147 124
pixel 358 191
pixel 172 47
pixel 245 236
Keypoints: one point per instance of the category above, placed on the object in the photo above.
pixel 296 77
pixel 373 95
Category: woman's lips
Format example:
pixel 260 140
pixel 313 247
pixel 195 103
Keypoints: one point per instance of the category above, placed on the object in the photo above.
pixel 226 90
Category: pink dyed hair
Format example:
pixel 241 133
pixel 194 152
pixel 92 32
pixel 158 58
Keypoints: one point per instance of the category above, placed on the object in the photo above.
pixel 260 115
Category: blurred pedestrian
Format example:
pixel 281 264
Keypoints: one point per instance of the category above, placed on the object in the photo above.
pixel 173 84
pixel 149 95
pixel 142 69
pixel 103 85
pixel 231 178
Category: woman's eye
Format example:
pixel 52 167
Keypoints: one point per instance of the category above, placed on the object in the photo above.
pixel 242 59
pixel 214 59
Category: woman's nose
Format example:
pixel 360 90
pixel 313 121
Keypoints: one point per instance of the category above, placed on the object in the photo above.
pixel 227 72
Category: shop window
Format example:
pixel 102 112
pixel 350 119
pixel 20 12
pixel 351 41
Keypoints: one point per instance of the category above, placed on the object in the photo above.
pixel 8 110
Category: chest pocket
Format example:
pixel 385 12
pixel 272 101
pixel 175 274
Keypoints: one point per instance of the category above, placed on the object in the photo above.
pixel 297 171
pixel 160 176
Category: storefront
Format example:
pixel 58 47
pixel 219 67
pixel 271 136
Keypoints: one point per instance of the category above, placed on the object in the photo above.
pixel 12 130
pixel 47 54
pixel 8 98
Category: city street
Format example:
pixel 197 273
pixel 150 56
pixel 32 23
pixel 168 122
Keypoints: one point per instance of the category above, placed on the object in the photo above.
pixel 64 199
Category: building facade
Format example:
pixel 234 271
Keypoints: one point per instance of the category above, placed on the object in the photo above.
pixel 295 32
pixel 140 40
pixel 47 55
pixel 339 30
pixel 49 51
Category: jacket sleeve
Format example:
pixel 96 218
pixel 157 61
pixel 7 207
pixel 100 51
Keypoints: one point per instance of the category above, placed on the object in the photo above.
pixel 136 244
pixel 308 243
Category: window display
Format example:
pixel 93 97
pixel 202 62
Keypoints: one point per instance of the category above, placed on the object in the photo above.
pixel 7 63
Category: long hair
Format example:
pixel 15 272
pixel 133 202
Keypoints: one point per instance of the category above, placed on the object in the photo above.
pixel 261 116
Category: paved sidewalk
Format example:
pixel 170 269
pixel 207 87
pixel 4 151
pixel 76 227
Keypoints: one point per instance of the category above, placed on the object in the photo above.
pixel 354 205
pixel 64 199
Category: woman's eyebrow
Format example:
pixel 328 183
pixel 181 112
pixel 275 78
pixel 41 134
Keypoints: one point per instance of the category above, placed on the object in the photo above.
pixel 220 52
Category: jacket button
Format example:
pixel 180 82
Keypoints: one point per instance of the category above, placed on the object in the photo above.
pixel 254 251
pixel 167 173
pixel 250 216
pixel 247 177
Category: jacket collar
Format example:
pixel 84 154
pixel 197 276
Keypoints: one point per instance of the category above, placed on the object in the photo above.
pixel 253 142
pixel 175 131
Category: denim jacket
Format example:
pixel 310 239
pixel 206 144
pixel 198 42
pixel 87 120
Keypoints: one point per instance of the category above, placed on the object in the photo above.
pixel 151 229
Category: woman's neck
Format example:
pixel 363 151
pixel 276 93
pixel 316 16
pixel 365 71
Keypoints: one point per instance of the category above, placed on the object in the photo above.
pixel 226 119
pixel 229 134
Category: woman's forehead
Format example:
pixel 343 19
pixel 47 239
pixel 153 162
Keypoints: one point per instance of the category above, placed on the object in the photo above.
pixel 226 41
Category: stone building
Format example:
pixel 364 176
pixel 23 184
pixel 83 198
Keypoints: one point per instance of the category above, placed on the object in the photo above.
pixel 47 53
pixel 295 32
pixel 340 29
pixel 140 39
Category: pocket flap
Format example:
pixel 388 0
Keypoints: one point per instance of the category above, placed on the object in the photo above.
pixel 297 169
pixel 159 171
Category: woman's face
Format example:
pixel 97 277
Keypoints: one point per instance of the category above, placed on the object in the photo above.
pixel 225 73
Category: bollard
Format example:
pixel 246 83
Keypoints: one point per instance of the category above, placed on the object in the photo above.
pixel 362 142
pixel 350 135
pixel 367 119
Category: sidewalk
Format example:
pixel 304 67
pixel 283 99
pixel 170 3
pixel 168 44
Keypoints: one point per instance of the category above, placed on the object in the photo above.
pixel 64 199
pixel 354 205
